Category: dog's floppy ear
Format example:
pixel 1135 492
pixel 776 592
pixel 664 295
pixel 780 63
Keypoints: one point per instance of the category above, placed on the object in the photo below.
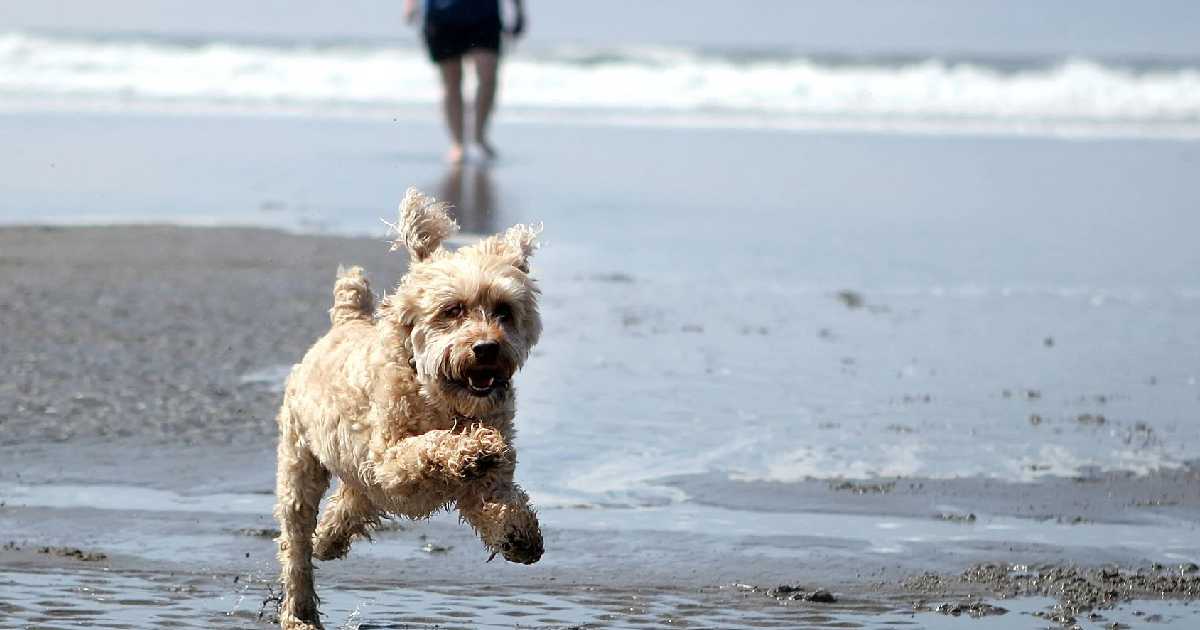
pixel 424 223
pixel 521 241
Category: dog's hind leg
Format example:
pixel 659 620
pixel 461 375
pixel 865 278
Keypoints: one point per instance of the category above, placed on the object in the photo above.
pixel 299 483
pixel 349 515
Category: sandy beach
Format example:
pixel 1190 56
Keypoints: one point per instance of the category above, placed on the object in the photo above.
pixel 919 376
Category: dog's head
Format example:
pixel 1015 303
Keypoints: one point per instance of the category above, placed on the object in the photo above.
pixel 470 316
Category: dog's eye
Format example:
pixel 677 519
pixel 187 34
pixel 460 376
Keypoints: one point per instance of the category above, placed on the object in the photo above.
pixel 453 312
pixel 503 312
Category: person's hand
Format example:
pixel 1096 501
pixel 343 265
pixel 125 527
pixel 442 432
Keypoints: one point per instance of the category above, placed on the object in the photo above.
pixel 518 25
pixel 410 11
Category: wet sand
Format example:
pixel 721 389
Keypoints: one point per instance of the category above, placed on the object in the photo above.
pixel 139 332
pixel 138 460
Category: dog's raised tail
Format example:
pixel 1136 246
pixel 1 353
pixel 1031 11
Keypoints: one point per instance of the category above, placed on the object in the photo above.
pixel 352 297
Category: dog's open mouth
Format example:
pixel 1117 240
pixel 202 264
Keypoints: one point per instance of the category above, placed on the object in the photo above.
pixel 483 381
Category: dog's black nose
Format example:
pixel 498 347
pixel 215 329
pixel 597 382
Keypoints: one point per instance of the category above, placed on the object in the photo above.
pixel 486 351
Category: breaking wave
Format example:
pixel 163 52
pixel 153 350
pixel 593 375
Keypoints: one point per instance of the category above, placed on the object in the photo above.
pixel 636 85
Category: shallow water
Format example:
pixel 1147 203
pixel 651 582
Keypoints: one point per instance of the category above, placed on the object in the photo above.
pixel 142 600
pixel 139 600
pixel 849 533
pixel 128 601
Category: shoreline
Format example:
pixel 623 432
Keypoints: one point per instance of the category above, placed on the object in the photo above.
pixel 743 122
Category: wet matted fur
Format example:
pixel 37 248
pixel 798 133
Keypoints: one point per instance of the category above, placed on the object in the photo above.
pixel 410 405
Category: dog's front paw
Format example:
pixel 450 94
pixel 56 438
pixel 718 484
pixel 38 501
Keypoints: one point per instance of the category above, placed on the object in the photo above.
pixel 522 547
pixel 483 451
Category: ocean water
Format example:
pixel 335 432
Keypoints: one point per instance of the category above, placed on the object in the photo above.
pixel 634 84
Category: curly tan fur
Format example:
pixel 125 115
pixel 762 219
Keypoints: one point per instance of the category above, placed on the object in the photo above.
pixel 424 224
pixel 410 405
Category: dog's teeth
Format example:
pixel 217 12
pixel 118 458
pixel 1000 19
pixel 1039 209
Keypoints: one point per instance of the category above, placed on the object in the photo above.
pixel 482 383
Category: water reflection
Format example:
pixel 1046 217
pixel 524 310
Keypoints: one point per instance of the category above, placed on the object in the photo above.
pixel 469 189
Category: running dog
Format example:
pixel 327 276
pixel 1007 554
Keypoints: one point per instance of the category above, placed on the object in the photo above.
pixel 410 404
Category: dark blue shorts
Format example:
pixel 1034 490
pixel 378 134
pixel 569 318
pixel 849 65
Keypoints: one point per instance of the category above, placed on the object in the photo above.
pixel 453 39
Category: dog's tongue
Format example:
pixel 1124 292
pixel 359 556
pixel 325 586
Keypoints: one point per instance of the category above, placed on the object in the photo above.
pixel 481 382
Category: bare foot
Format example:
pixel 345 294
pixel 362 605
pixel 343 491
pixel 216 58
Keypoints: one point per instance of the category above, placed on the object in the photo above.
pixel 455 154
pixel 489 152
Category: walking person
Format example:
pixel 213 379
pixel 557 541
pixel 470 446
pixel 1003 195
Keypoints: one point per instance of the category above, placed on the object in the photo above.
pixel 472 28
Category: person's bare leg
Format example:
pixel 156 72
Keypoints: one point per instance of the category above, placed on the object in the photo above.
pixel 452 105
pixel 486 65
